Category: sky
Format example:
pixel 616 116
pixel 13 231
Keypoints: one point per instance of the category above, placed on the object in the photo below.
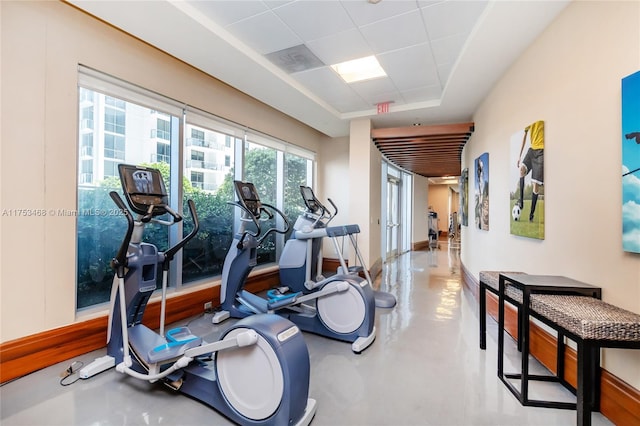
pixel 631 161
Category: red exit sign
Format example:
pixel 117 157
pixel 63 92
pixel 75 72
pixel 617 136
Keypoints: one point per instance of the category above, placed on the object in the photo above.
pixel 383 107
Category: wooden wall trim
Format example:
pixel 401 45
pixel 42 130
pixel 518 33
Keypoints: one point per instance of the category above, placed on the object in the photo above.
pixel 330 264
pixel 619 401
pixel 420 245
pixel 31 353
pixel 28 354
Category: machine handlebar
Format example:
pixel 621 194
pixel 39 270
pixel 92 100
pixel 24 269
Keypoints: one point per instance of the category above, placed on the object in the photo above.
pixel 315 208
pixel 170 253
pixel 249 202
pixel 149 217
pixel 120 260
pixel 287 224
pixel 255 217
pixel 335 209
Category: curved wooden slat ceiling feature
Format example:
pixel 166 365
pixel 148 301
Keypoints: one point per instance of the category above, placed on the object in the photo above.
pixel 429 151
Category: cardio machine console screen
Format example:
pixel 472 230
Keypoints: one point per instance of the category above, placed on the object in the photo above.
pixel 310 200
pixel 143 187
pixel 248 196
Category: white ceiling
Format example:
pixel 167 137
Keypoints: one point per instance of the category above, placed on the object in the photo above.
pixel 441 57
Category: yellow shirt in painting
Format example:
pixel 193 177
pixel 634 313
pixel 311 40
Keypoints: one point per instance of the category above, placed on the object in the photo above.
pixel 536 135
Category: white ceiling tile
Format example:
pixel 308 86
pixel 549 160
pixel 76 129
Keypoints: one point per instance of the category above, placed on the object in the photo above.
pixel 252 32
pixel 340 47
pixel 327 85
pixel 314 19
pixel 323 81
pixel 225 12
pixel 274 4
pixel 421 94
pixel 424 3
pixel 377 90
pixel 410 67
pixel 363 12
pixel 395 33
pixel 447 49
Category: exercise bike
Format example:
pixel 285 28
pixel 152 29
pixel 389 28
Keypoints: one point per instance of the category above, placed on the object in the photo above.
pixel 256 374
pixel 302 255
pixel 342 307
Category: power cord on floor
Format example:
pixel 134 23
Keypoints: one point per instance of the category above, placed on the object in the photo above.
pixel 72 372
pixel 70 375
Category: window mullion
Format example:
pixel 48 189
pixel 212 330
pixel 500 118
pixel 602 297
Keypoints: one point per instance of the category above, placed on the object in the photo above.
pixel 239 149
pixel 176 195
pixel 279 201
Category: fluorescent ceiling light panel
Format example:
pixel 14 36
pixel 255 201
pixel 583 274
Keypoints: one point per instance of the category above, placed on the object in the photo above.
pixel 359 69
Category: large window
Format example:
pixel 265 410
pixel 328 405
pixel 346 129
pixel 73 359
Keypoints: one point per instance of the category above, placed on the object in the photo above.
pixel 277 175
pixel 297 171
pixel 209 184
pixel 260 168
pixel 121 123
pixel 100 228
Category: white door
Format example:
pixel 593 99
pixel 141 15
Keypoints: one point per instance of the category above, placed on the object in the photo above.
pixel 393 217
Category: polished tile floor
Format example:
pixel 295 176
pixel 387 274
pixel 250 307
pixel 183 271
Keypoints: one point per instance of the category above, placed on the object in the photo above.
pixel 425 368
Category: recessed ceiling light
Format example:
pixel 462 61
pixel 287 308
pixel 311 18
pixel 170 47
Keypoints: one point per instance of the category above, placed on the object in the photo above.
pixel 359 69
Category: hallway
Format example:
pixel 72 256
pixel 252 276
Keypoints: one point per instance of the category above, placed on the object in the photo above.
pixel 425 368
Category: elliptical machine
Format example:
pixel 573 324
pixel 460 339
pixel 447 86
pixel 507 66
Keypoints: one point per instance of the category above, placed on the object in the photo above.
pixel 310 229
pixel 342 307
pixel 257 374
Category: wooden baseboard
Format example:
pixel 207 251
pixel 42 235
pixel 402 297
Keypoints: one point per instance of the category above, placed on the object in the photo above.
pixel 330 264
pixel 28 354
pixel 420 245
pixel 619 401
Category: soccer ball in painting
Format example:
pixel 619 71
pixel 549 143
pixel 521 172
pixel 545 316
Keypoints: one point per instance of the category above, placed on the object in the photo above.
pixel 515 212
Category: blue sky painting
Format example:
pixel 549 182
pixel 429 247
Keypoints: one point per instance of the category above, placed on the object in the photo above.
pixel 631 163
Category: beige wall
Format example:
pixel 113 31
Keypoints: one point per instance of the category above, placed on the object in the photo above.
pixel 570 78
pixel 420 230
pixel 365 168
pixel 374 260
pixel 333 183
pixel 42 45
pixel 439 202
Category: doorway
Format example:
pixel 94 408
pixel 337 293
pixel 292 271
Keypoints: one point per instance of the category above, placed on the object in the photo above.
pixel 393 217
pixel 396 211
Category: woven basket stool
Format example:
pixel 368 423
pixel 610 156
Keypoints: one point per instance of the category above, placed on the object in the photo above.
pixel 489 281
pixel 592 324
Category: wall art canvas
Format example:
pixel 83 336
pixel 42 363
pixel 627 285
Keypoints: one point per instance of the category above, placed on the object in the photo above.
pixel 631 163
pixel 482 191
pixel 464 197
pixel 526 178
